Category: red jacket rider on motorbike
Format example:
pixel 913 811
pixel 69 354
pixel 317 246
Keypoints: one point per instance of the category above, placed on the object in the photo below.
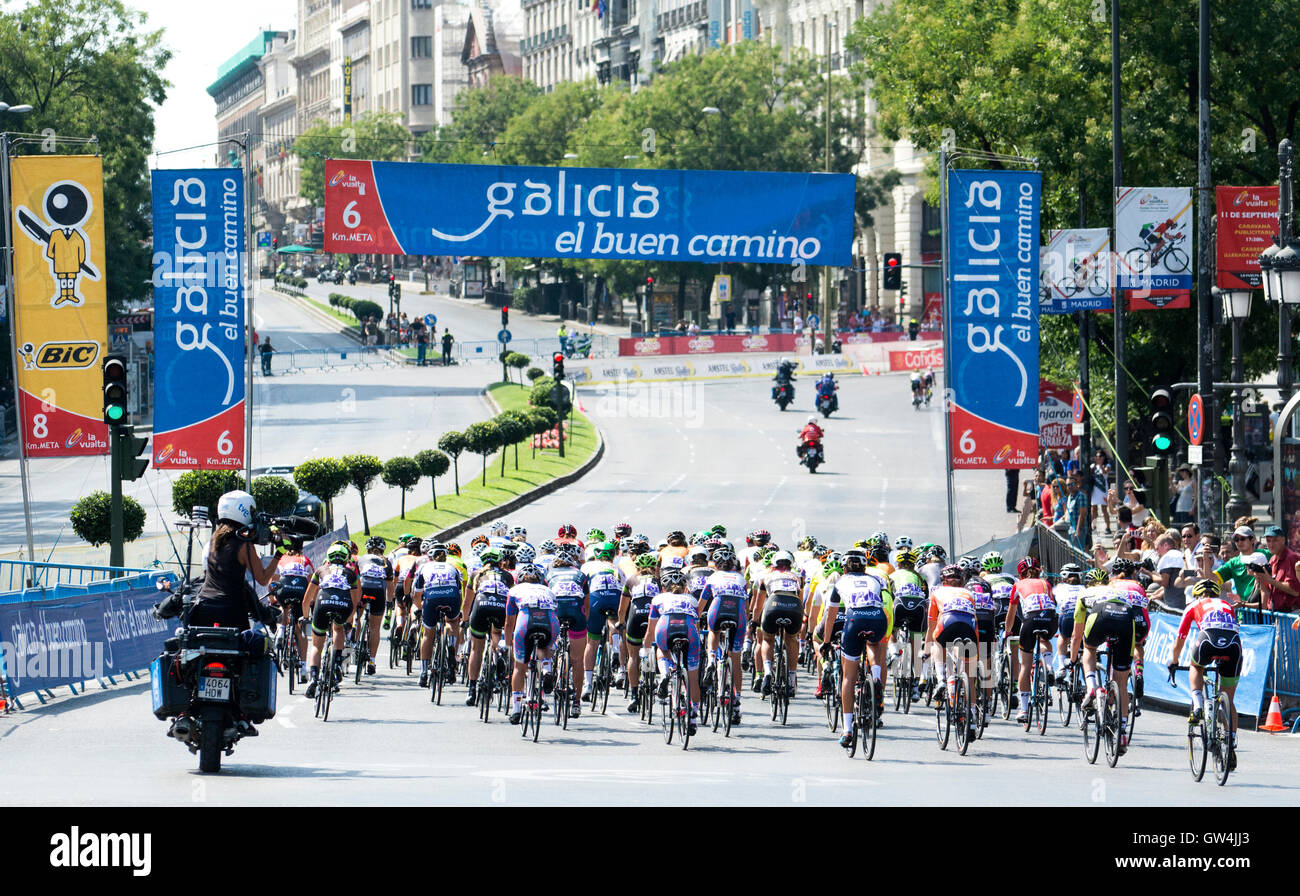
pixel 811 434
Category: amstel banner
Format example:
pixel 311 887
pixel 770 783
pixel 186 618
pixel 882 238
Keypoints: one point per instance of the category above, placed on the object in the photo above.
pixel 61 302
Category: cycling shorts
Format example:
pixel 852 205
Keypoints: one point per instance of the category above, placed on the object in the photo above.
pixel 1111 621
pixel 910 612
pixel 1038 624
pixel 728 609
pixel 484 617
pixel 333 607
pixel 782 611
pixel 570 609
pixel 678 627
pixel 604 605
pixel 1141 624
pixel 1221 646
pixel 376 599
pixel 867 624
pixel 954 627
pixel 638 620
pixel 291 600
pixel 986 626
pixel 820 633
pixel 1065 628
pixel 434 607
pixel 531 622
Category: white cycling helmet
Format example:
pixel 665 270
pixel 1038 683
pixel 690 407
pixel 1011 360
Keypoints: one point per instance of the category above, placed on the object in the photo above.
pixel 499 529
pixel 238 507
pixel 782 555
pixel 812 418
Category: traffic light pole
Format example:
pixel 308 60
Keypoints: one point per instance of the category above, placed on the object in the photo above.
pixel 115 551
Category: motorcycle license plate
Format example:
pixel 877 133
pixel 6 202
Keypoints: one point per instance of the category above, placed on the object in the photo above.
pixel 214 689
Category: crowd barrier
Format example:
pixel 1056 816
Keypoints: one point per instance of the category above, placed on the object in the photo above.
pixel 351 357
pixel 733 343
pixel 20 574
pixel 673 369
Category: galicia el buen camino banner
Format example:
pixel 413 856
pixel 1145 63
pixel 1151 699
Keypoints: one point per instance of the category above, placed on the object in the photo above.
pixel 993 246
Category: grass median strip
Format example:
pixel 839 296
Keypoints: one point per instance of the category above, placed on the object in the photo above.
pixel 474 498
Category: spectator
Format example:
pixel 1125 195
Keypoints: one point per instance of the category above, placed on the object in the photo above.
pixel 1029 496
pixel 421 342
pixel 1238 569
pixel 1058 503
pixel 447 340
pixel 1168 567
pixel 563 335
pixel 266 351
pixel 1191 534
pixel 1013 488
pixel 1076 511
pixel 1203 564
pixel 1101 471
pixel 1140 513
pixel 1185 499
pixel 877 322
pixel 1047 501
pixel 1281 584
pixel 798 322
pixel 693 329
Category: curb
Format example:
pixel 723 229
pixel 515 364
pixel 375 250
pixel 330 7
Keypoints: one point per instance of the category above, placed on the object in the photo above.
pixel 343 330
pixel 528 497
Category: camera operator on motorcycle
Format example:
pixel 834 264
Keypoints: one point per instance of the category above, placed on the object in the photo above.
pixel 784 377
pixel 826 389
pixel 811 435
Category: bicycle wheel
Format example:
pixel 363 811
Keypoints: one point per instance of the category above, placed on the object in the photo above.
pixel 1091 727
pixel 1110 724
pixel 1065 700
pixel 1222 739
pixel 291 655
pixel 909 676
pixel 412 643
pixel 563 682
pixel 325 686
pixel 1004 687
pixel 708 694
pixel 1138 259
pixel 831 697
pixel 1197 748
pixel 683 699
pixel 729 704
pixel 486 683
pixel 1043 695
pixel 985 711
pixel 942 721
pixel 605 680
pixel 1176 260
pixel 668 712
pixel 868 711
pixel 961 715
pixel 363 641
pixel 1134 705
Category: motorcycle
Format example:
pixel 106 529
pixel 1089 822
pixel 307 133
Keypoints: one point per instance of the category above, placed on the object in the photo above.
pixel 783 394
pixel 827 404
pixel 811 456
pixel 352 278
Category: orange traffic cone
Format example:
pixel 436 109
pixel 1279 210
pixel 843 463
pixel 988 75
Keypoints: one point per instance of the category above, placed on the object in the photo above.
pixel 1274 720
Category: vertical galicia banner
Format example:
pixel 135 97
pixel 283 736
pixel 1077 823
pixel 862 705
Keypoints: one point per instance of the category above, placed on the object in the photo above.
pixel 993 247
pixel 199 244
pixel 61 304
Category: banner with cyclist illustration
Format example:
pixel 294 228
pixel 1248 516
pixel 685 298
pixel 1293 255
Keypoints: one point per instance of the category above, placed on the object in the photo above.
pixel 1153 246
pixel 1078 270
pixel 198 242
pixel 1246 226
pixel 993 291
pixel 60 303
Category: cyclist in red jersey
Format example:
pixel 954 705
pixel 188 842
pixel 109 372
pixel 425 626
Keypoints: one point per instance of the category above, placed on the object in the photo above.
pixel 1219 639
pixel 1038 622
pixel 952 617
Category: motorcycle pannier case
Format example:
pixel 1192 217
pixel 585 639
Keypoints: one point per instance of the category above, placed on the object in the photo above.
pixel 170 697
pixel 257 689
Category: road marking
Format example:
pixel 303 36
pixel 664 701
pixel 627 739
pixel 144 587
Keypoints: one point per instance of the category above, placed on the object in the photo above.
pixel 670 488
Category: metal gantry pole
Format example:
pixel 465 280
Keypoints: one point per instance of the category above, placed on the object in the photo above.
pixel 1285 354
pixel 248 298
pixel 6 206
pixel 947 347
pixel 1117 175
pixel 1207 334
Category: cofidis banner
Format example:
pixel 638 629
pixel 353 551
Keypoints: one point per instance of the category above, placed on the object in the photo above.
pixel 416 208
pixel 61 300
pixel 993 247
pixel 198 234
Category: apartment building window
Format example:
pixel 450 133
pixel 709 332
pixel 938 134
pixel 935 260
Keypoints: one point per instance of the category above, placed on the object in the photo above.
pixel 421 47
pixel 421 4
pixel 421 94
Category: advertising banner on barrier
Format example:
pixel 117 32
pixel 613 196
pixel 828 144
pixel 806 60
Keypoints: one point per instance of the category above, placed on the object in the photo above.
pixel 1256 655
pixel 722 368
pixel 1246 225
pixel 667 370
pixel 198 245
pixel 993 293
pixel 1153 236
pixel 648 214
pixel 1078 270
pixel 67 640
pixel 916 359
pixel 61 303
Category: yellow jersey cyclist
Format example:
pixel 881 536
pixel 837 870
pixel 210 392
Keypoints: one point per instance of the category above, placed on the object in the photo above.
pixel 1218 641
pixel 1101 615
pixel 868 622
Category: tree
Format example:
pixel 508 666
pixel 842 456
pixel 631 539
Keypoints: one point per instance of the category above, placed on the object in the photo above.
pixel 540 395
pixel 478 121
pixel 453 443
pixel 482 439
pixel 324 477
pixel 362 470
pixel 534 373
pixel 542 132
pixel 274 495
pixel 541 420
pixel 203 488
pixel 90 518
pixel 403 473
pixel 518 360
pixel 377 135
pixel 433 464
pixel 513 430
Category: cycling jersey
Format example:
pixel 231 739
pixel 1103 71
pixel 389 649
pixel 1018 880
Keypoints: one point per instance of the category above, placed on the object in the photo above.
pixel 954 611
pixel 1136 597
pixel 858 591
pixel 724 597
pixel 334 577
pixel 535 606
pixel 405 568
pixel 677 618
pixel 1032 595
pixel 334 603
pixel 294 565
pixel 930 572
pixel 1219 640
pixel 605 590
pixel 1002 585
pixel 982 594
pixel 911 593
pixel 442 587
pixel 376 573
pixel 1206 613
pixel 491 589
pixel 696 579
pixel 1107 617
pixel 569 586
pixel 672 551
pixel 1066 597
pixel 785 584
pixel 641 591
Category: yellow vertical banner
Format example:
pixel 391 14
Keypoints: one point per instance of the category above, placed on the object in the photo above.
pixel 61 303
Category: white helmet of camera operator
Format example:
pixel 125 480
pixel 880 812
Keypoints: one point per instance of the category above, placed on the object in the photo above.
pixel 238 507
pixel 812 418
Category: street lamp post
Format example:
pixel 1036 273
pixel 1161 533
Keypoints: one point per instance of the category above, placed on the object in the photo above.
pixel 1277 262
pixel 722 134
pixel 1236 308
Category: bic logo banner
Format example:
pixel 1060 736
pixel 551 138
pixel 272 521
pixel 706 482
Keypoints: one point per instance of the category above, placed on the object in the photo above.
pixel 61 304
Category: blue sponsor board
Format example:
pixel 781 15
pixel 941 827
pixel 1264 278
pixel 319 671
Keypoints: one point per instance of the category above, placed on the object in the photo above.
pixel 1256 653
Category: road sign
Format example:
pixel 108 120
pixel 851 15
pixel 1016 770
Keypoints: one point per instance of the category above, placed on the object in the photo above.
pixel 430 320
pixel 503 337
pixel 1194 454
pixel 1195 419
pixel 1078 407
pixel 264 239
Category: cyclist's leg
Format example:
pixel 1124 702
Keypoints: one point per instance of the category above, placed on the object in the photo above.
pixel 377 608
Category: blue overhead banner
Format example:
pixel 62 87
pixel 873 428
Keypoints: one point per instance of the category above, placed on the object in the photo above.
pixel 414 208
pixel 993 296
pixel 198 250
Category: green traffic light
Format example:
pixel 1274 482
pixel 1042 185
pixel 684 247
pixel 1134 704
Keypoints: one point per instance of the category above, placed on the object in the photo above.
pixel 115 412
pixel 1162 442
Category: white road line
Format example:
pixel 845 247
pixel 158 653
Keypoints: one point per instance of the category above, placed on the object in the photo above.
pixel 670 488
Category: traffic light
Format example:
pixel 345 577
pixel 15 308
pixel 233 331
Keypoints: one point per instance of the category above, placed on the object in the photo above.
pixel 505 317
pixel 1162 422
pixel 649 284
pixel 275 244
pixel 893 276
pixel 115 389
pixel 557 365
pixel 130 464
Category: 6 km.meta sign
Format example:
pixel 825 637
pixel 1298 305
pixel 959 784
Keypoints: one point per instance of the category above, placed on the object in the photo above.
pixel 416 208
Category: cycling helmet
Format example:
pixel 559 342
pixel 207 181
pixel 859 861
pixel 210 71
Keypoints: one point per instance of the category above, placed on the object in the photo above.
pixel 646 561
pixel 1095 576
pixel 518 532
pixel 879 538
pixel 1123 567
pixel 453 549
pixel 807 543
pixel 337 553
pixel 507 559
pixel 854 561
pixel 490 556
pixel 762 537
pixel 549 547
pixel 237 507
pixel 907 557
pixel 1026 566
pixel 834 563
pixel 903 542
pixel 478 543
pixel 605 550
pixel 376 544
pixel 783 556
pixel 992 561
pixel 719 530
pixel 572 552
pixel 675 535
pixel 968 564
pixel 403 539
pixel 525 555
pixel 412 542
pixel 880 553
pixel 938 553
pixel 723 555
pixel 625 545
pixel 642 540
pixel 699 553
pixel 1071 571
pixel 499 529
pixel 951 571
pixel 1206 588
pixel 528 573
pixel 622 530
pixel 749 539
pixel 596 535
pixel 696 538
pixel 672 576
pixel 433 548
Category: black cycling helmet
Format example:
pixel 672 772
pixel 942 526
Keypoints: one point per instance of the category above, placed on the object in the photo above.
pixel 528 573
pixel 1071 571
pixel 952 571
pixel 1123 567
pixel 854 560
pixel 376 544
pixel 622 530
pixel 672 576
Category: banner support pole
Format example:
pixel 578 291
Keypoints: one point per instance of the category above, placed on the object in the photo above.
pixel 12 302
pixel 248 305
pixel 947 347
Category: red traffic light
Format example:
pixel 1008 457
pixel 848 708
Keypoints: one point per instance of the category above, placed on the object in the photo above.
pixel 649 281
pixel 557 358
pixel 892 261
pixel 810 295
